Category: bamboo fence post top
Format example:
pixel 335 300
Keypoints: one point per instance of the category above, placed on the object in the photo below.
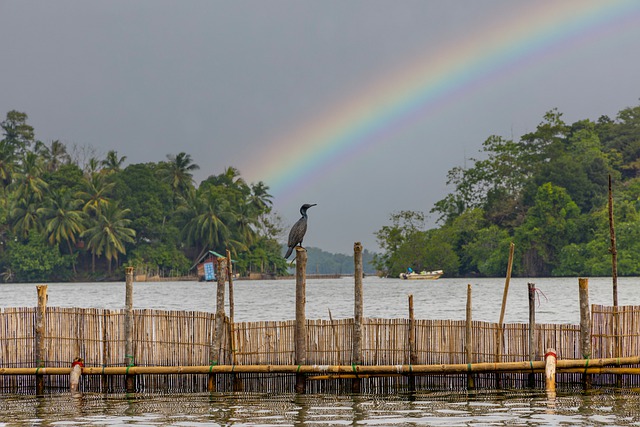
pixel 550 372
pixel 39 336
pixel 585 318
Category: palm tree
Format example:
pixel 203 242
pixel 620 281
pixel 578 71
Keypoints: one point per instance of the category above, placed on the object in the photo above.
pixel 206 220
pixel 109 233
pixel 64 221
pixel 95 193
pixel 54 156
pixel 177 172
pixel 113 163
pixel 28 180
pixel 7 163
pixel 24 216
pixel 260 197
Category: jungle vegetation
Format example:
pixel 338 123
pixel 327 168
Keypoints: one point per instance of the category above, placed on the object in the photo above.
pixel 547 192
pixel 66 214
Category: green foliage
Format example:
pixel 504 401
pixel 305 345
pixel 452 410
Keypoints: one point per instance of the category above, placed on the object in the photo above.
pixel 547 192
pixel 149 216
pixel 36 261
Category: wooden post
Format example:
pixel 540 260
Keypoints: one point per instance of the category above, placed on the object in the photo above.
pixel 614 251
pixel 585 326
pixel 614 274
pixel 41 312
pixel 500 330
pixel 468 342
pixel 550 373
pixel 413 357
pixel 237 383
pixel 216 346
pixel 301 329
pixel 128 330
pixel 358 313
pixel 532 329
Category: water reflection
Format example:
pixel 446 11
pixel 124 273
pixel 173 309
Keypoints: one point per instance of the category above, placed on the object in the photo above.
pixel 240 409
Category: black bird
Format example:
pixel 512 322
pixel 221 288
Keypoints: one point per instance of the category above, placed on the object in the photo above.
pixel 297 231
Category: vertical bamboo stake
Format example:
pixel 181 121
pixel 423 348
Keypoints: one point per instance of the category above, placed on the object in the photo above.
pixel 614 251
pixel 300 330
pixel 468 343
pixel 550 373
pixel 215 350
pixel 237 384
pixel 357 313
pixel 500 330
pixel 128 329
pixel 532 329
pixel 105 350
pixel 413 357
pixel 614 275
pixel 41 312
pixel 585 326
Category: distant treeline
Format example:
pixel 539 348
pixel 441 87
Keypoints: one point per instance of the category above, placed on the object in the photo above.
pixel 547 192
pixel 321 262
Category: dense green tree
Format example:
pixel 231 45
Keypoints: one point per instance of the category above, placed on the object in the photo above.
pixel 390 238
pixel 64 220
pixel 17 134
pixel 177 172
pixel 113 162
pixel 33 260
pixel 148 199
pixel 550 225
pixel 109 233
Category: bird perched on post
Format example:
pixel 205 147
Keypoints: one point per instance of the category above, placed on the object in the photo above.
pixel 297 231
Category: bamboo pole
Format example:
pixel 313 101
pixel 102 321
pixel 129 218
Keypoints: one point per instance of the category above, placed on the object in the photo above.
pixel 237 384
pixel 300 329
pixel 550 359
pixel 614 275
pixel 532 328
pixel 500 329
pixel 565 365
pixel 585 326
pixel 613 249
pixel 128 329
pixel 468 343
pixel 41 312
pixel 413 357
pixel 358 312
pixel 216 346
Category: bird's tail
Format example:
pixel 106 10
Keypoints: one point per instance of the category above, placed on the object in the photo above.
pixel 286 256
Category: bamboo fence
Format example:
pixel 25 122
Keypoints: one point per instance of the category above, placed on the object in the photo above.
pixel 183 338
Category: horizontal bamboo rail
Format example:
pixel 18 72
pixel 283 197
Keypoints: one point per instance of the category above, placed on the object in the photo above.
pixel 569 365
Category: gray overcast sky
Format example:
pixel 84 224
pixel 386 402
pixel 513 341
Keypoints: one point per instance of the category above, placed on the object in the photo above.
pixel 244 83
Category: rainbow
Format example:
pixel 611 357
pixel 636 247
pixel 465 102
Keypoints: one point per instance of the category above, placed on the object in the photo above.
pixel 538 32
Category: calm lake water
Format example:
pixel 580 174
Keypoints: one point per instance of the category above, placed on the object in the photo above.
pixel 275 300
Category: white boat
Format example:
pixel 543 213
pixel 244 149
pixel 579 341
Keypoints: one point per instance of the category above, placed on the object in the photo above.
pixel 423 275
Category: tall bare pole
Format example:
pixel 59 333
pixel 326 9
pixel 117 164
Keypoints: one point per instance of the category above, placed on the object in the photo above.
pixel 301 320
pixel 358 312
pixel 531 287
pixel 216 346
pixel 41 312
pixel 128 328
pixel 585 326
pixel 614 275
pixel 613 249
pixel 500 331
pixel 468 341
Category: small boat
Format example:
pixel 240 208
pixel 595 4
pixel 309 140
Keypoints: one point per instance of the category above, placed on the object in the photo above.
pixel 423 275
